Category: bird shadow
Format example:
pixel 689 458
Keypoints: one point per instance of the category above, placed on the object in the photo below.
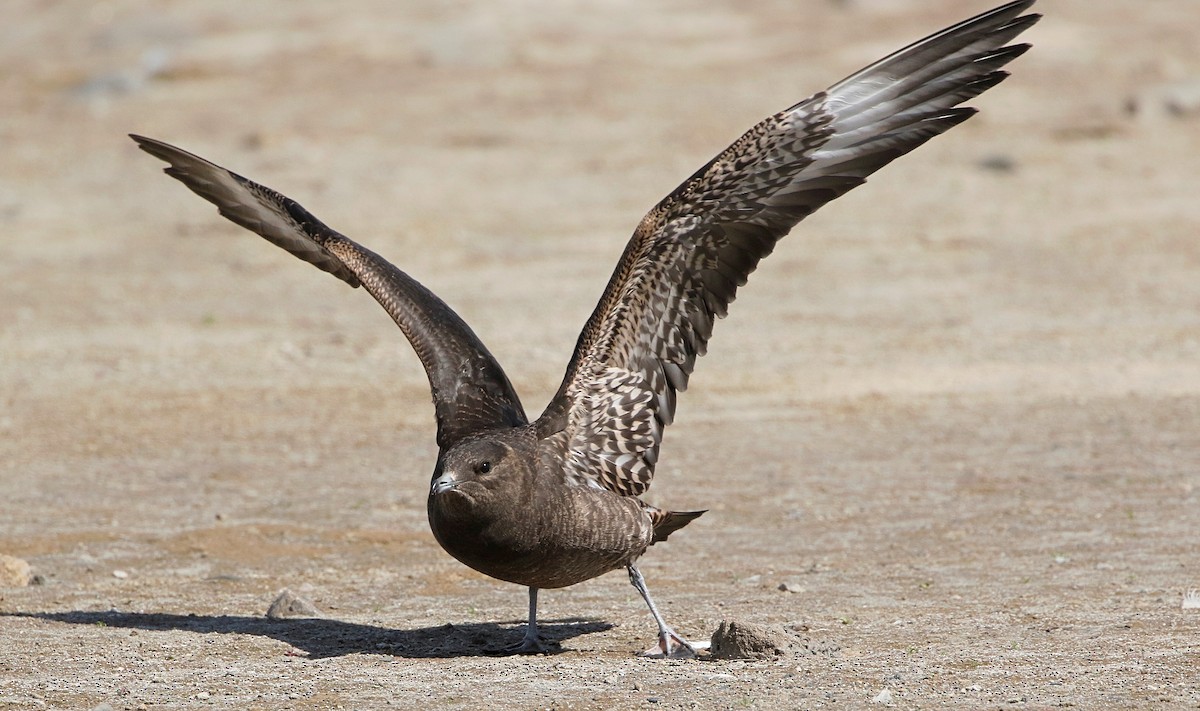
pixel 322 638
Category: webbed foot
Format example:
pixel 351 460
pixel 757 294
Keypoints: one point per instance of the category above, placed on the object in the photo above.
pixel 670 646
pixel 529 644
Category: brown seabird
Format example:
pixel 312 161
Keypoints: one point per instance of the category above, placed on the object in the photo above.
pixel 554 502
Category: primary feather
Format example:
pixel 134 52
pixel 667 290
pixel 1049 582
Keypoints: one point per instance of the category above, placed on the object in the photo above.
pixel 693 250
pixel 471 393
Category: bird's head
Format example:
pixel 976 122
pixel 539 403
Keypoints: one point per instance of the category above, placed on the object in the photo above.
pixel 474 470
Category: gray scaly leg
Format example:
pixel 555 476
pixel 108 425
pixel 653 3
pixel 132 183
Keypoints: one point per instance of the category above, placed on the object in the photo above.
pixel 670 645
pixel 530 643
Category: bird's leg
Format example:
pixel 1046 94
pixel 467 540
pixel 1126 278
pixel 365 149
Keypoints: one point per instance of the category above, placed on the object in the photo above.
pixel 670 645
pixel 530 643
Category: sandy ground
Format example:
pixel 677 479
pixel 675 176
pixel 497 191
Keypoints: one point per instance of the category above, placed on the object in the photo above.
pixel 955 415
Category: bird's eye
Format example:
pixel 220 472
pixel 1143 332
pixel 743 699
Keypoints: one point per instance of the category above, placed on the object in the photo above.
pixel 484 467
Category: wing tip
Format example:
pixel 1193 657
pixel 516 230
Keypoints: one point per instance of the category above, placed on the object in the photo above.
pixel 150 145
pixel 168 154
pixel 953 116
pixel 1020 24
pixel 1013 8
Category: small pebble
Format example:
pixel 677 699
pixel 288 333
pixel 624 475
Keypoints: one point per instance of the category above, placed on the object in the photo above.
pixel 883 697
pixel 203 696
pixel 120 574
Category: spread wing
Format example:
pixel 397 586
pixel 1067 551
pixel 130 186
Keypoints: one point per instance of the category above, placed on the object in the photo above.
pixel 691 252
pixel 470 391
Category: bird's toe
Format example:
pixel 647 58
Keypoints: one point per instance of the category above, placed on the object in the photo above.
pixel 527 645
pixel 671 646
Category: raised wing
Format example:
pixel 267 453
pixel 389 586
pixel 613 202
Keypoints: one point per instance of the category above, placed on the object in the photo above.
pixel 691 252
pixel 470 391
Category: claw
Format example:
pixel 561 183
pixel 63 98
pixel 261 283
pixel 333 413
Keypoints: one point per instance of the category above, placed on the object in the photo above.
pixel 670 646
pixel 527 645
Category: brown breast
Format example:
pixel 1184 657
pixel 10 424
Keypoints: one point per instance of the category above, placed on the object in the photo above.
pixel 548 535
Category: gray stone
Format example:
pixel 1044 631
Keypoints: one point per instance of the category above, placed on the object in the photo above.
pixel 290 605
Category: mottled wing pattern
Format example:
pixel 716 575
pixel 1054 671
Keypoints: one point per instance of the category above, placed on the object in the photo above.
pixel 470 390
pixel 612 434
pixel 690 254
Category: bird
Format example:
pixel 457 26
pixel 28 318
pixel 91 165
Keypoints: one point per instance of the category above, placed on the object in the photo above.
pixel 555 501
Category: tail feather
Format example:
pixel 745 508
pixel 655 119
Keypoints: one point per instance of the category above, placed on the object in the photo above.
pixel 668 522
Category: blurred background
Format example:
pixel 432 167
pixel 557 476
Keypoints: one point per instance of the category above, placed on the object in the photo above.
pixel 463 138
pixel 466 140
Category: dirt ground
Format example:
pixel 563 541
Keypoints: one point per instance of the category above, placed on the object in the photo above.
pixel 956 415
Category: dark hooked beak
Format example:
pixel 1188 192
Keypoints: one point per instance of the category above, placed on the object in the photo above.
pixel 443 483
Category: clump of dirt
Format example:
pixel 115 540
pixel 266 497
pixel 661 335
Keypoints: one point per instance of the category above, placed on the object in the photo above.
pixel 744 640
pixel 290 605
pixel 14 572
